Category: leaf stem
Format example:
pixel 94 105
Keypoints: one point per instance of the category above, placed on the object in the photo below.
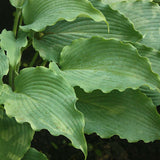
pixel 11 77
pixel 17 21
pixel 44 63
pixel 34 59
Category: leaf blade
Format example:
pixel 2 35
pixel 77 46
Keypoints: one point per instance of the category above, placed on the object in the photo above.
pixel 15 139
pixel 63 33
pixel 51 11
pixel 45 97
pixel 33 154
pixel 129 114
pixel 99 62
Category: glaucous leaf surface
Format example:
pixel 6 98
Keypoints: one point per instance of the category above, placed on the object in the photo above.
pixel 145 17
pixel 4 65
pixel 33 154
pixel 129 114
pixel 55 37
pixel 18 3
pixel 38 14
pixel 46 101
pixel 97 63
pixel 15 138
pixel 13 46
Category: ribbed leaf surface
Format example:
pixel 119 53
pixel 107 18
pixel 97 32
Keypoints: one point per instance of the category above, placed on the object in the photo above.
pixel 146 17
pixel 39 13
pixel 33 154
pixel 153 94
pixel 111 2
pixel 97 63
pixel 152 54
pixel 15 139
pixel 63 33
pixel 13 46
pixel 47 102
pixel 4 65
pixel 129 114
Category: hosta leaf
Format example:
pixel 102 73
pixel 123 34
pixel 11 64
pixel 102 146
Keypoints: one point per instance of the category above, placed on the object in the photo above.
pixel 152 54
pixel 15 138
pixel 153 94
pixel 13 46
pixel 39 13
pixel 18 3
pixel 45 98
pixel 129 114
pixel 4 65
pixel 146 17
pixel 157 1
pixel 63 33
pixel 97 63
pixel 33 154
pixel 111 2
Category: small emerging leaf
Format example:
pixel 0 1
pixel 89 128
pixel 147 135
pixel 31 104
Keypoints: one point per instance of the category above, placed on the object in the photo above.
pixel 4 65
pixel 13 46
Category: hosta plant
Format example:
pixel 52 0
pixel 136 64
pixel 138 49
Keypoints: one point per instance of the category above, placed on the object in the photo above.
pixel 96 68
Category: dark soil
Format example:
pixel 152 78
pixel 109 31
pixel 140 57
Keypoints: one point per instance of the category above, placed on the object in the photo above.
pixel 60 148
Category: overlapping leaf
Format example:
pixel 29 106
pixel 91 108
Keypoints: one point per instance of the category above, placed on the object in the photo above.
pixel 46 101
pixel 152 54
pixel 13 46
pixel 63 33
pixel 111 2
pixel 33 154
pixel 15 139
pixel 4 65
pixel 129 114
pixel 153 94
pixel 39 13
pixel 97 63
pixel 145 17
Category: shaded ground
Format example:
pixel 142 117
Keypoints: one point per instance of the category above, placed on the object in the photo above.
pixel 59 148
